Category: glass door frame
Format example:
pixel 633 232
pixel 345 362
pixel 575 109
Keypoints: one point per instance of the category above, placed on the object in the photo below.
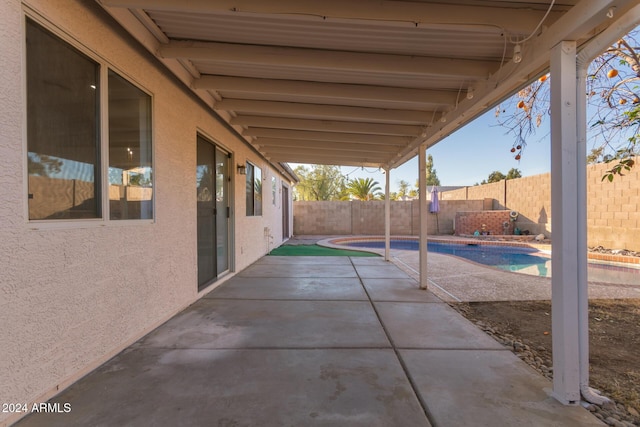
pixel 229 212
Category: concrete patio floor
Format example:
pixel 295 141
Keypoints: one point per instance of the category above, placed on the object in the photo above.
pixel 326 341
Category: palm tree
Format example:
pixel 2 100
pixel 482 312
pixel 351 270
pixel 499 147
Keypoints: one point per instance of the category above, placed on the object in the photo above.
pixel 364 188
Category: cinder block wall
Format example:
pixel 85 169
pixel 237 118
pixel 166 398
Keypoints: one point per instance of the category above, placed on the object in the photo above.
pixel 459 194
pixel 321 218
pixel 531 198
pixel 495 191
pixel 613 213
pixel 613 210
pixel 367 218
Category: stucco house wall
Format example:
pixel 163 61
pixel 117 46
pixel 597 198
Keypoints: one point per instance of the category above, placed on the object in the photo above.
pixel 74 293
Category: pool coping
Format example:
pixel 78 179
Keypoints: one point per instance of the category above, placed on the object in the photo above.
pixel 334 242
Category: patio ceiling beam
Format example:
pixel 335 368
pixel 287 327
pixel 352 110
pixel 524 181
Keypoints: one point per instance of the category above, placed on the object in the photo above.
pixel 270 143
pixel 314 111
pixel 513 17
pixel 325 125
pixel 318 59
pixel 327 159
pixel 329 91
pixel 391 141
pixel 354 152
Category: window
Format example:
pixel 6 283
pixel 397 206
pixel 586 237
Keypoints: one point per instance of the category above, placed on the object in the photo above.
pixel 273 190
pixel 130 189
pixel 254 190
pixel 63 128
pixel 64 135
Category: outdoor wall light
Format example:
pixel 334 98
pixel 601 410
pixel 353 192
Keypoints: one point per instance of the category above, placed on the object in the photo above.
pixel 517 54
pixel 242 169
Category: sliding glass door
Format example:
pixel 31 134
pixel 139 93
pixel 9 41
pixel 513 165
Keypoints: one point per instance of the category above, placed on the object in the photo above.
pixel 212 176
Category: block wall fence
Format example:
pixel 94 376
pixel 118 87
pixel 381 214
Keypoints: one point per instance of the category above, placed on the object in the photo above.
pixel 613 209
pixel 367 218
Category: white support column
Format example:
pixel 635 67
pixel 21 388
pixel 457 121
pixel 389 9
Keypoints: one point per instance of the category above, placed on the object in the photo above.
pixel 588 394
pixel 605 39
pixel 565 206
pixel 422 194
pixel 387 216
pixel 581 224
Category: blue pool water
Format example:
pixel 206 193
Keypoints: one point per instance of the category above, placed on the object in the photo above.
pixel 517 259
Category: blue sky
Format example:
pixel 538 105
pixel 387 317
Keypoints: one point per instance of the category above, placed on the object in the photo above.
pixel 470 155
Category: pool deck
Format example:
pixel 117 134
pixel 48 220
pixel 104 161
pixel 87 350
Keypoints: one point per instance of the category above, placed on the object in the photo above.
pixel 455 280
pixel 316 341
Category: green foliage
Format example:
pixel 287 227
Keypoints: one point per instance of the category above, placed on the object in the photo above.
pixel 432 176
pixel 320 182
pixel 403 189
pixel 139 180
pixel 43 165
pixel 495 176
pixel 513 173
pixel 624 164
pixel 392 196
pixel 364 188
pixel 624 155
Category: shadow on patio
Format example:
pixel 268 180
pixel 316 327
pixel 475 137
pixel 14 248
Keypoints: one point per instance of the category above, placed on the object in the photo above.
pixel 294 341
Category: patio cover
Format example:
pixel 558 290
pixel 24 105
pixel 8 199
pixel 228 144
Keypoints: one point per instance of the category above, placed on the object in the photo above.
pixel 375 82
pixel 355 82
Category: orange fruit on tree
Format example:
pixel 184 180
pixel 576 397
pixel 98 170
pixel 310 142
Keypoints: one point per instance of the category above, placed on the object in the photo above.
pixel 521 104
pixel 542 78
pixel 622 101
pixel 612 73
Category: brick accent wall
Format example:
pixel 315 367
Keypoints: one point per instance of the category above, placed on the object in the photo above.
pixel 490 222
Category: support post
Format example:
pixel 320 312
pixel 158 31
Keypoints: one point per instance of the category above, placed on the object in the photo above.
pixel 565 206
pixel 387 217
pixel 581 237
pixel 422 194
pixel 586 55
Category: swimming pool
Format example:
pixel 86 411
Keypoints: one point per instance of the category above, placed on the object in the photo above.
pixel 510 258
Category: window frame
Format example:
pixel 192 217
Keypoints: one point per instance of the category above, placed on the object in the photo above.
pixel 108 147
pixel 251 174
pixel 103 124
pixel 274 190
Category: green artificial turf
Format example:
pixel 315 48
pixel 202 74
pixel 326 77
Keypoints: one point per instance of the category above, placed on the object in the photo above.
pixel 315 250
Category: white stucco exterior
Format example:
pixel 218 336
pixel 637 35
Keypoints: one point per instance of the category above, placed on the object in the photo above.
pixel 74 293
